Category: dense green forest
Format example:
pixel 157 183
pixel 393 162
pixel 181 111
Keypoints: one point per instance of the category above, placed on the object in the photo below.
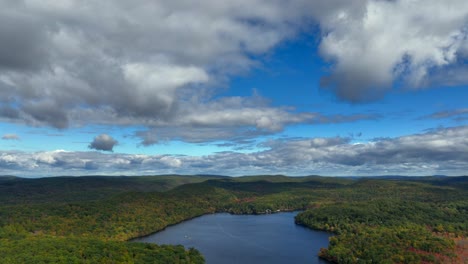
pixel 91 219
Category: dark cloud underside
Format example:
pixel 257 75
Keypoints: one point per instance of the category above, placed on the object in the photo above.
pixel 146 62
pixel 103 142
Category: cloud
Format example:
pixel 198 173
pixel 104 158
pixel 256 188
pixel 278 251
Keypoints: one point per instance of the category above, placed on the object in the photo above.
pixel 457 114
pixel 138 61
pixel 10 137
pixel 375 45
pixel 440 151
pixel 235 119
pixel 25 34
pixel 9 113
pixel 103 142
pixel 160 64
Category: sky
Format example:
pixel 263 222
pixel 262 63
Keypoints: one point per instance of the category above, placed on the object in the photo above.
pixel 246 87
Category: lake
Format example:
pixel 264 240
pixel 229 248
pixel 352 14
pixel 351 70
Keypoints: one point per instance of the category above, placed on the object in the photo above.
pixel 225 238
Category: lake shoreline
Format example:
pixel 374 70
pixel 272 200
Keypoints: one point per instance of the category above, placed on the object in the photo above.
pixel 219 212
pixel 170 225
pixel 223 237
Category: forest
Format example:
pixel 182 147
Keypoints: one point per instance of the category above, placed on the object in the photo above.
pixel 91 219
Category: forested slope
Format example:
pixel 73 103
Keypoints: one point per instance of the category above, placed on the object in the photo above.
pixel 67 220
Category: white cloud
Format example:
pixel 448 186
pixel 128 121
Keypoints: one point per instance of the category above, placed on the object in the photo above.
pixel 393 40
pixel 442 151
pixel 234 119
pixel 136 60
pixel 158 84
pixel 158 64
pixel 171 161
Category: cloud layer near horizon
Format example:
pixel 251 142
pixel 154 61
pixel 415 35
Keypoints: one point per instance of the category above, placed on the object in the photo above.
pixel 159 64
pixel 441 151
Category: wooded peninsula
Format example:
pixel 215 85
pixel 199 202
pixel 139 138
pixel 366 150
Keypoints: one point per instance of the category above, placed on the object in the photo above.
pixel 91 219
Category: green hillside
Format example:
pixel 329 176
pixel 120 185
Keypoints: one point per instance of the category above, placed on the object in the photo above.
pixel 72 219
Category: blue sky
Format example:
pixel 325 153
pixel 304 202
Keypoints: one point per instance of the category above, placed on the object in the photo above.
pixel 297 88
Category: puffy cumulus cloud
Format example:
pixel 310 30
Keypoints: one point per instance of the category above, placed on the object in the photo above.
pixel 10 137
pixel 16 161
pixel 228 119
pixel 148 63
pixel 172 162
pixel 103 142
pixel 135 60
pixel 231 118
pixel 234 119
pixel 441 151
pixel 156 63
pixel 51 158
pixel 378 43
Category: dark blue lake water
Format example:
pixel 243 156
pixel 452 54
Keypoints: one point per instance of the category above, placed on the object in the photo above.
pixel 226 238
